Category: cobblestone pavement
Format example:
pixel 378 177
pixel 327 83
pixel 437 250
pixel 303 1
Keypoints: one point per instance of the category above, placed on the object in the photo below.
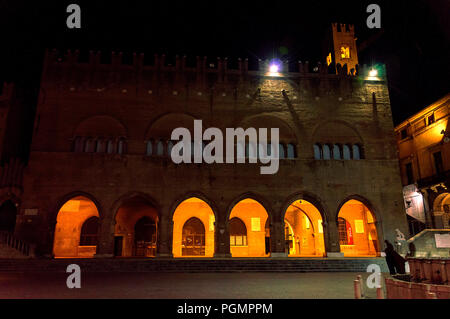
pixel 182 285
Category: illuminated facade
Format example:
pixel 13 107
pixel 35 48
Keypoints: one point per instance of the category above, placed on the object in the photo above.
pixel 424 151
pixel 100 181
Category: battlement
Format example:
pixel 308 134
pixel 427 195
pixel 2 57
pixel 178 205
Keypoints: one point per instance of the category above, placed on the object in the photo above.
pixel 344 28
pixel 138 62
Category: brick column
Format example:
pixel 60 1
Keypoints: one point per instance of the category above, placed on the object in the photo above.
pixel 105 246
pixel 221 239
pixel 45 244
pixel 165 237
pixel 277 240
pixel 333 247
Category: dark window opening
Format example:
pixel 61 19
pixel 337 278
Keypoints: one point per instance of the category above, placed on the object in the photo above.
pixel 404 133
pixel 238 232
pixel 89 232
pixel 438 162
pixel 409 173
pixel 193 238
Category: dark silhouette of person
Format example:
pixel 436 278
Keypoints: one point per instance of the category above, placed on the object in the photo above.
pixel 389 257
pixel 396 263
pixel 412 250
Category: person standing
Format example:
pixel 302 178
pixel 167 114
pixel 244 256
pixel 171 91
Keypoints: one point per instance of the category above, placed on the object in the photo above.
pixel 389 252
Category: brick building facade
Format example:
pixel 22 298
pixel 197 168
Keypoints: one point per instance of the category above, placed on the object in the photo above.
pixel 100 181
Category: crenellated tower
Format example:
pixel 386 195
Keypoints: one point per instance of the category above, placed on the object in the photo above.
pixel 341 47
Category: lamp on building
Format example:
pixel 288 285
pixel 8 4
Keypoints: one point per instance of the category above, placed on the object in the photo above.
pixel 274 68
pixel 373 73
pixel 446 136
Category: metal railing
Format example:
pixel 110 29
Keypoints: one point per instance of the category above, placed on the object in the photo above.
pixel 9 240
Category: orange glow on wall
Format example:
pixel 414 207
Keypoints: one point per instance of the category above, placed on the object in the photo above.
pixel 254 216
pixel 307 236
pixel 69 222
pixel 362 240
pixel 193 208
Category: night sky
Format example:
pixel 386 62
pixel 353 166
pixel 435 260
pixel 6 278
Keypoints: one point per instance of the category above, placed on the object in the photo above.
pixel 413 42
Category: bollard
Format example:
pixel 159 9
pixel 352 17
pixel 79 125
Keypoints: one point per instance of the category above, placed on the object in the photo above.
pixel 380 294
pixel 361 285
pixel 357 286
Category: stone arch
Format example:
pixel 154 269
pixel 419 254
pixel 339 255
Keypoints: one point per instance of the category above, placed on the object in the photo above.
pixel 162 126
pixel 286 132
pixel 318 234
pixel 192 194
pixel 438 203
pixel 62 200
pixel 367 241
pixel 250 195
pixel 363 200
pixel 66 223
pixel 340 132
pixel 186 207
pixel 254 212
pixel 100 125
pixel 313 199
pixel 128 211
pixel 130 195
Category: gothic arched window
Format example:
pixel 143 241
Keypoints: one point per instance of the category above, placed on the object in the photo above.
pixel 89 232
pixel 317 153
pixel 160 148
pixel 326 152
pixel 346 152
pixel 356 152
pixel 281 151
pixel 149 150
pixel 290 151
pixel 238 232
pixel 336 152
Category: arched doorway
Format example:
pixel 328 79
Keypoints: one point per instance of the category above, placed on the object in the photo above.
pixel 193 238
pixel 145 237
pixel 8 212
pixel 89 232
pixel 303 230
pixel 357 230
pixel 291 243
pixel 193 229
pixel 136 231
pixel 76 229
pixel 250 217
pixel 441 211
pixel 238 233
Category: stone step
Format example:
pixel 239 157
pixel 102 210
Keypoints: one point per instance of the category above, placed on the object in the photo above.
pixel 210 265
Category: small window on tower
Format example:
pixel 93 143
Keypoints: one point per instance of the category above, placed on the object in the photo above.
pixel 431 119
pixel 345 52
pixel 404 133
pixel 329 59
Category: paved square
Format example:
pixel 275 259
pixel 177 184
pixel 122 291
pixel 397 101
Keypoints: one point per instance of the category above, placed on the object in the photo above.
pixel 183 285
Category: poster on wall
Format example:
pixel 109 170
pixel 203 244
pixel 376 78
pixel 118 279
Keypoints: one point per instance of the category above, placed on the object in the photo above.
pixel 442 240
pixel 414 202
pixel 359 226
pixel 349 233
pixel 256 224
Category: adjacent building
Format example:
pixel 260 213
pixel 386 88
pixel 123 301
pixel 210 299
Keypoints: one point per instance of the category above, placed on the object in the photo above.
pixel 424 152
